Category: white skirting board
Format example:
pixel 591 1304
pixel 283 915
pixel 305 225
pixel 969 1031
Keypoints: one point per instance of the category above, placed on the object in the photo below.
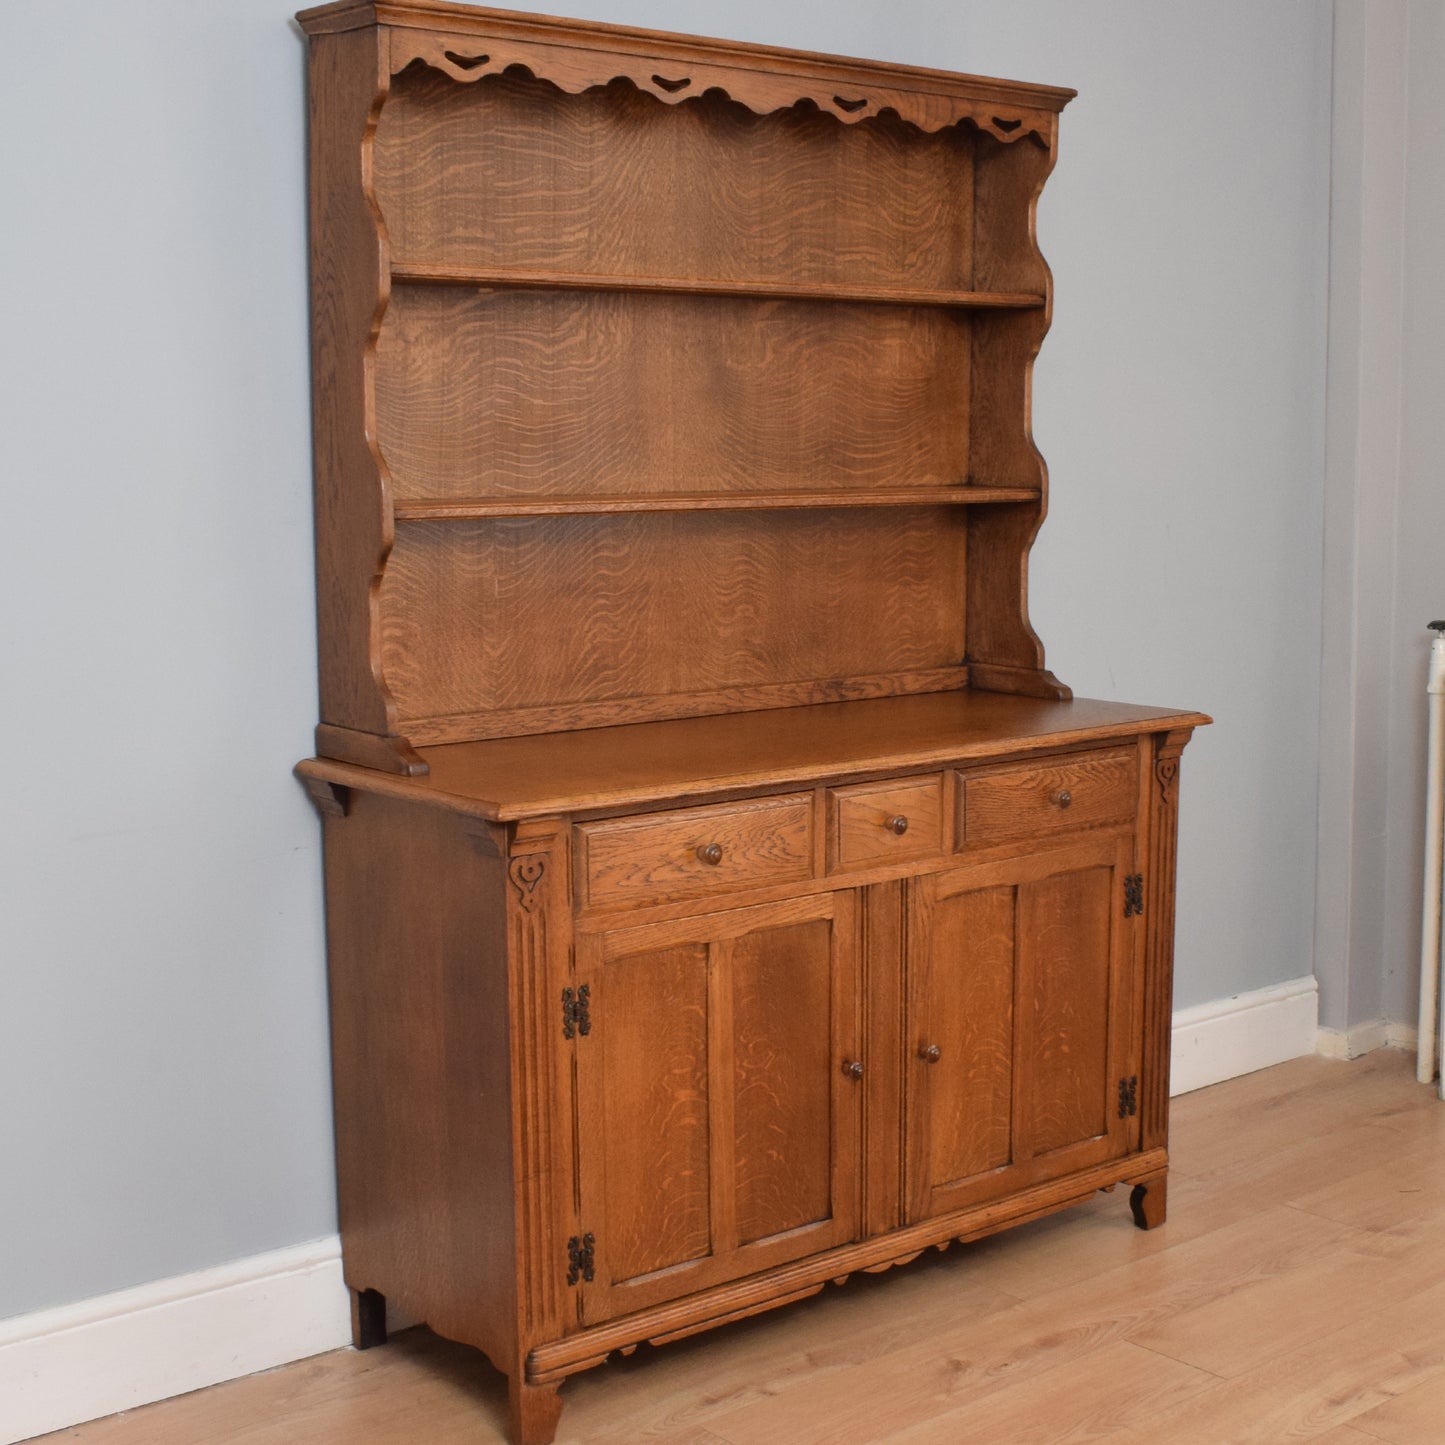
pixel 1232 1036
pixel 1365 1038
pixel 63 1366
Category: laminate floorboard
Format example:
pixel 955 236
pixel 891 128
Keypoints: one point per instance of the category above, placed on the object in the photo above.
pixel 1297 1293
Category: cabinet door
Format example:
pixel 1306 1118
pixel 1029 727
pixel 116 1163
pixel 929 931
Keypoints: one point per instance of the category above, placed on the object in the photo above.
pixel 1020 997
pixel 718 1128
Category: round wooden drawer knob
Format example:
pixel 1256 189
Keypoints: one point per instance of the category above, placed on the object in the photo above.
pixel 1062 798
pixel 930 1053
pixel 710 853
pixel 897 824
pixel 852 1069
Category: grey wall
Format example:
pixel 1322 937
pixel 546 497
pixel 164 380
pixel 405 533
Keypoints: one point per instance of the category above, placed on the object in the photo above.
pixel 1384 502
pixel 1419 558
pixel 162 1034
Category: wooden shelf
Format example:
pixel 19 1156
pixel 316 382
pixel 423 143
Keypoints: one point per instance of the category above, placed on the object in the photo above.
pixel 510 278
pixel 447 509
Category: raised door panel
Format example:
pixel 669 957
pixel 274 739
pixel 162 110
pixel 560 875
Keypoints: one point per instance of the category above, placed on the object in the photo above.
pixel 718 1133
pixel 1065 931
pixel 970 1083
pixel 655 1100
pixel 1020 1004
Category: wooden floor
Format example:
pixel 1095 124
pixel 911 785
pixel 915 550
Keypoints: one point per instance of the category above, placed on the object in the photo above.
pixel 1296 1293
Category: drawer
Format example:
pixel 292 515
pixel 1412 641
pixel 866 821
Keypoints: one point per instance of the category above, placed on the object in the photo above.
pixel 873 823
pixel 1032 800
pixel 696 850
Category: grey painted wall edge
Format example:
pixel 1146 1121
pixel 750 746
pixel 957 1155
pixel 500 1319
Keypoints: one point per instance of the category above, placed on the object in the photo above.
pixel 1384 504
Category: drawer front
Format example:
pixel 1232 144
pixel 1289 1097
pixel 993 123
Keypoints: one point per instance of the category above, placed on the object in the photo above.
pixel 697 850
pixel 1032 800
pixel 875 823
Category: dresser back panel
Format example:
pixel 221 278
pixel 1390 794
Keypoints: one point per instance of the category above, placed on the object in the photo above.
pixel 511 171
pixel 518 614
pixel 544 393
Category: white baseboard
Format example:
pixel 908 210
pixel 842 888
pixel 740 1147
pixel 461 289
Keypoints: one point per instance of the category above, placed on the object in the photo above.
pixel 1365 1038
pixel 1233 1036
pixel 62 1366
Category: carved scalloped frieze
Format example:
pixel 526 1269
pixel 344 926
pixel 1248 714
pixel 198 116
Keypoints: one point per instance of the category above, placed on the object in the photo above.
pixel 468 58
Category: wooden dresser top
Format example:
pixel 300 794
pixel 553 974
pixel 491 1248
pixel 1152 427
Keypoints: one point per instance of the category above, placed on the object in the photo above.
pixel 509 779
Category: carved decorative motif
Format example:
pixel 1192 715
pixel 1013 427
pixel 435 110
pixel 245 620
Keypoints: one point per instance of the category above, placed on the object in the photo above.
pixel 579 69
pixel 1166 771
pixel 540 949
pixel 1159 940
pixel 526 873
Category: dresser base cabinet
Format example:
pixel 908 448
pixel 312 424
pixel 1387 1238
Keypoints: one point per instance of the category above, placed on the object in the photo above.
pixel 573 1115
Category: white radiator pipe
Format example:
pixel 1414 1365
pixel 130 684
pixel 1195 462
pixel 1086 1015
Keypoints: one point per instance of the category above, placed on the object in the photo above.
pixel 1430 1000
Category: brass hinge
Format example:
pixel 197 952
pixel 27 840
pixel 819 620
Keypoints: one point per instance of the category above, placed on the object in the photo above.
pixel 579 1258
pixel 576 1015
pixel 1129 1097
pixel 1133 895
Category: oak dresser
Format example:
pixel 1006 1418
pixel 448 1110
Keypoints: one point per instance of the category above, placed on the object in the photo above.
pixel 722 897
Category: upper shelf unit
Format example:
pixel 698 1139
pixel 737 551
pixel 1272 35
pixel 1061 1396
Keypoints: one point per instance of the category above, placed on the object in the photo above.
pixel 658 376
pixel 511 395
pixel 507 181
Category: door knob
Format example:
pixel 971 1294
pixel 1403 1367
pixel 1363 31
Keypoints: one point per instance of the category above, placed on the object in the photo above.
pixel 852 1069
pixel 930 1053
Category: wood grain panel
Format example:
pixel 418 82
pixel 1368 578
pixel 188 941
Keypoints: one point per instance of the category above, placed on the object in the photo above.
pixel 728 1093
pixel 1064 925
pixel 959 1041
pixel 782 1053
pixel 885 1009
pixel 420 1032
pixel 1007 181
pixel 652 1028
pixel 530 612
pixel 969 1015
pixel 1001 445
pixel 661 855
pixel 1001 639
pixel 501 393
pixel 513 171
pixel 540 958
pixel 512 277
pixel 1163 845
pixel 704 756
pixel 863 821
pixel 347 83
pixel 1038 799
